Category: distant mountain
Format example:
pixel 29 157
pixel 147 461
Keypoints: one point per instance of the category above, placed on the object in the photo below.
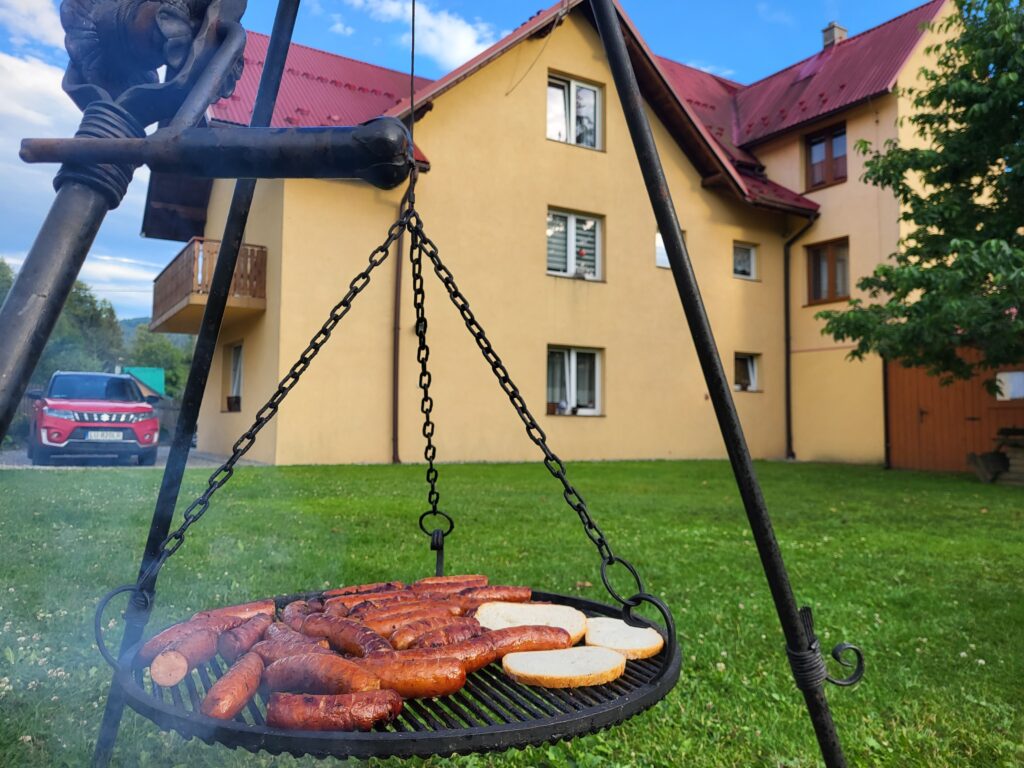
pixel 128 326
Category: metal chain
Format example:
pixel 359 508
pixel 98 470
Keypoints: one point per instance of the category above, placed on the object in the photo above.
pixel 533 430
pixel 224 472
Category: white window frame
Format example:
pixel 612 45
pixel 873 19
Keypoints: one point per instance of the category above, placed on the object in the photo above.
pixel 570 246
pixel 570 128
pixel 755 371
pixel 570 380
pixel 755 272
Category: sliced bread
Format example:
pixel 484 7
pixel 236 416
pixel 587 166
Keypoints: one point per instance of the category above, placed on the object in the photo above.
pixel 566 668
pixel 631 642
pixel 504 615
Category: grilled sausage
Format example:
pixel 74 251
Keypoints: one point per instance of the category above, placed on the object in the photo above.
pixel 448 635
pixel 504 594
pixel 173 663
pixel 366 589
pixel 394 600
pixel 281 631
pixel 229 695
pixel 235 642
pixel 294 613
pixel 416 678
pixel 343 712
pixel 449 584
pixel 387 626
pixel 472 654
pixel 405 607
pixel 528 638
pixel 245 611
pixel 404 636
pixel 319 673
pixel 350 600
pixel 159 642
pixel 275 650
pixel 344 635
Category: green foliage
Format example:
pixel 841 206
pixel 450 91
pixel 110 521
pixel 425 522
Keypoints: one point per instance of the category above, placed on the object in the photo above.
pixel 922 571
pixel 6 279
pixel 155 350
pixel 957 283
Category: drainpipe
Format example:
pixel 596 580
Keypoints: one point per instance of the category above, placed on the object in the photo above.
pixel 787 270
pixel 396 335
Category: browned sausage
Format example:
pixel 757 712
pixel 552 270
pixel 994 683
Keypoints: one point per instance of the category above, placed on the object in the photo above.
pixel 244 611
pixel 275 650
pixel 175 661
pixel 416 678
pixel 318 673
pixel 364 589
pixel 398 609
pixel 344 635
pixel 350 600
pixel 448 635
pixel 404 636
pixel 158 642
pixel 294 613
pixel 237 641
pixel 449 584
pixel 341 712
pixel 528 638
pixel 377 603
pixel 281 631
pixel 472 654
pixel 229 695
pixel 504 594
pixel 387 626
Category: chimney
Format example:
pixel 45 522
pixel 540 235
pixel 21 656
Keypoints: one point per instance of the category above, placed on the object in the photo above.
pixel 833 33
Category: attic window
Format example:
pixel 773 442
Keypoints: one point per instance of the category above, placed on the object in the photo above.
pixel 574 112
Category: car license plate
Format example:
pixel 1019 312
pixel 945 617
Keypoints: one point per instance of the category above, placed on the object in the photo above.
pixel 104 436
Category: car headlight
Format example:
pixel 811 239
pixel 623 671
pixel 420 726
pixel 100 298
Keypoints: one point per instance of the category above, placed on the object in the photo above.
pixel 59 413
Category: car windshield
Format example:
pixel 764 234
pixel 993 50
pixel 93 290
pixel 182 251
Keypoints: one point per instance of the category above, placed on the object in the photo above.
pixel 70 386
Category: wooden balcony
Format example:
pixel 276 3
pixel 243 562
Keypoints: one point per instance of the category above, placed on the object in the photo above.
pixel 180 291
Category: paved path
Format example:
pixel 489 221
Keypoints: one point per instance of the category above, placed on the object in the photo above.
pixel 18 460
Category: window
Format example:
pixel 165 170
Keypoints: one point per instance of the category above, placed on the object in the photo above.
pixel 660 254
pixel 574 245
pixel 574 381
pixel 745 377
pixel 1011 385
pixel 826 157
pixel 744 261
pixel 574 112
pixel 233 377
pixel 828 271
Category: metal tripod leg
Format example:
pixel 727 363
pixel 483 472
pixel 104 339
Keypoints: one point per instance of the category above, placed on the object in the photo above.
pixel 797 639
pixel 206 344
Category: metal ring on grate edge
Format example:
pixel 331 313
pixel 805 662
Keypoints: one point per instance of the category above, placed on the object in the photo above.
pixel 492 713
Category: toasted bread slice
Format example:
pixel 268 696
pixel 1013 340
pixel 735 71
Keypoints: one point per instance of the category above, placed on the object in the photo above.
pixel 631 642
pixel 504 615
pixel 566 668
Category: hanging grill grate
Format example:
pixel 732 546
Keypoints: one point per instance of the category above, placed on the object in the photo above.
pixel 491 713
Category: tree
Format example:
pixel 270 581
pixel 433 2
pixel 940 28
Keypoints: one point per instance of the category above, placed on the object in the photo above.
pixel 952 298
pixel 157 351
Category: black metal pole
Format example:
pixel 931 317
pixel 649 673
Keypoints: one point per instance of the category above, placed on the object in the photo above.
pixel 138 611
pixel 718 386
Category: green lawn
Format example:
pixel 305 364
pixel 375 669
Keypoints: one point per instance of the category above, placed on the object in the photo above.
pixel 922 571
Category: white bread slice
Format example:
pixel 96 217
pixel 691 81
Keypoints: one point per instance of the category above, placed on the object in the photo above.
pixel 565 668
pixel 503 615
pixel 631 642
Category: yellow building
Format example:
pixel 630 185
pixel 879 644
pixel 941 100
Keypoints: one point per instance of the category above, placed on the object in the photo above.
pixel 535 200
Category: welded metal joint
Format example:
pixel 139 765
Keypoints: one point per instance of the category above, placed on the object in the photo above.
pixel 808 665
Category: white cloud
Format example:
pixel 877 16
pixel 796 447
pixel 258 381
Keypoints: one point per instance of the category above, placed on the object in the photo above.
pixel 339 27
pixel 711 69
pixel 772 15
pixel 447 38
pixel 32 21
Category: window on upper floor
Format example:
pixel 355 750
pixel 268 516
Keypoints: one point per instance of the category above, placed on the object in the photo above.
pixel 574 382
pixel 746 372
pixel 744 261
pixel 826 157
pixel 574 112
pixel 828 271
pixel 574 245
pixel 232 376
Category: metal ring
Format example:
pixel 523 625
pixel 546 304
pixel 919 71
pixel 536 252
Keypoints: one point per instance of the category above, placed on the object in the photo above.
pixel 666 614
pixel 98 619
pixel 611 590
pixel 445 515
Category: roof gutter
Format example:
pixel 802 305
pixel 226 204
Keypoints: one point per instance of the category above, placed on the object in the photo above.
pixel 787 321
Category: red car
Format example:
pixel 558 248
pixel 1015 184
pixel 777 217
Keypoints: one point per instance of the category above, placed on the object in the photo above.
pixel 90 414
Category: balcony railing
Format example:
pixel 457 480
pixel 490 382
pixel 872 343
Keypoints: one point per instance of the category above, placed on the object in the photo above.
pixel 180 291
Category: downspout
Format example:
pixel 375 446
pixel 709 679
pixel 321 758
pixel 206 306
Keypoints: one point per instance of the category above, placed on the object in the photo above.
pixel 787 271
pixel 886 434
pixel 396 330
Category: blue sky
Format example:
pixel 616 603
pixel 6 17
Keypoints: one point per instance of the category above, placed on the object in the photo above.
pixel 741 39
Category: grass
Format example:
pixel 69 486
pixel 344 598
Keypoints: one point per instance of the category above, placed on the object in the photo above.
pixel 922 571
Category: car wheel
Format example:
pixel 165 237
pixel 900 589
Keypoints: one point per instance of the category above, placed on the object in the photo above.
pixel 40 457
pixel 147 458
